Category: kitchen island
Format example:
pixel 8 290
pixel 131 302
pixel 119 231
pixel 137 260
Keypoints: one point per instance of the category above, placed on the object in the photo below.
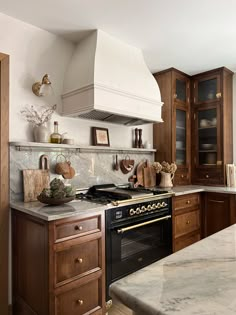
pixel 200 279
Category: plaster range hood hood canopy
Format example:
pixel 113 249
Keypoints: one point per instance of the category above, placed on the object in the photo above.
pixel 108 80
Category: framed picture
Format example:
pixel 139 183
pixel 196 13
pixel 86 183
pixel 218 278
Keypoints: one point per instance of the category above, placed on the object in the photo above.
pixel 100 136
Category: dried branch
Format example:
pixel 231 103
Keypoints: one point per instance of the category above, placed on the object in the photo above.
pixel 38 118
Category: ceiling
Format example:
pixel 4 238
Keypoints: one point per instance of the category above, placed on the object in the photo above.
pixel 192 36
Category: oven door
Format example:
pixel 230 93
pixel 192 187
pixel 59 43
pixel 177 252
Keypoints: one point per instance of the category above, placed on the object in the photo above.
pixel 137 245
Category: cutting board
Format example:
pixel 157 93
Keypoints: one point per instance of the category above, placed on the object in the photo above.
pixel 139 174
pixel 35 180
pixel 149 176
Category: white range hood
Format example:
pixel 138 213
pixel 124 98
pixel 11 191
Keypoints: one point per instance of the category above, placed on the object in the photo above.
pixel 108 80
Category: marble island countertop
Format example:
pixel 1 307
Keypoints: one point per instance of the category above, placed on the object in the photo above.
pixel 49 213
pixel 198 280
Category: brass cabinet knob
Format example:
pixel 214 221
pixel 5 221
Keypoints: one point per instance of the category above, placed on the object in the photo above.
pixel 175 95
pixel 182 176
pixel 188 202
pixel 207 176
pixel 80 302
pixel 78 227
pixel 218 95
pixel 79 260
pixel 188 222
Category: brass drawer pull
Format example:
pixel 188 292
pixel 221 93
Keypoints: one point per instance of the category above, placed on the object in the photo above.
pixel 188 222
pixel 182 176
pixel 80 302
pixel 78 228
pixel 188 202
pixel 79 260
pixel 207 176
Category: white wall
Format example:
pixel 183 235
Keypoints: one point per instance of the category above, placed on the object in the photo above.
pixel 34 52
pixel 234 117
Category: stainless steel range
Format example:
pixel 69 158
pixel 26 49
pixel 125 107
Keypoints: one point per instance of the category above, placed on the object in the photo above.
pixel 138 227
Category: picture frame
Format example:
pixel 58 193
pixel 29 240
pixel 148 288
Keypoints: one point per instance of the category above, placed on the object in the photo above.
pixel 100 136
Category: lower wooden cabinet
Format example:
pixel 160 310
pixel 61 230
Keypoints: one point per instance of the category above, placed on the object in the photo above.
pixel 219 212
pixel 186 220
pixel 58 266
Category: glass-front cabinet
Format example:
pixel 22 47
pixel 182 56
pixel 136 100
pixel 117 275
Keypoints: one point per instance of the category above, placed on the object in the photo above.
pixel 207 89
pixel 181 137
pixel 208 140
pixel 181 85
pixel 207 144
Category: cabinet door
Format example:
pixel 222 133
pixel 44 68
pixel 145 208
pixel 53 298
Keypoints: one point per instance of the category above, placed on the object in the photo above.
pixel 207 89
pixel 217 212
pixel 181 145
pixel 207 144
pixel 181 88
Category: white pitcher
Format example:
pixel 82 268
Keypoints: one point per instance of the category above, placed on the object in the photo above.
pixel 166 179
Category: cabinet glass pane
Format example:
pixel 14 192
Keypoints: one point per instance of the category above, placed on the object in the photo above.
pixel 207 90
pixel 207 137
pixel 180 137
pixel 181 90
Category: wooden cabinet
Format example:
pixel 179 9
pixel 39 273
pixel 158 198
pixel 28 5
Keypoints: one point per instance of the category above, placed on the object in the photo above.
pixel 172 137
pixel 58 266
pixel 186 220
pixel 212 146
pixel 219 212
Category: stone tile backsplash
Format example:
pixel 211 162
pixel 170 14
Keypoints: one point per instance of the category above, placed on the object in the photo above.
pixel 90 168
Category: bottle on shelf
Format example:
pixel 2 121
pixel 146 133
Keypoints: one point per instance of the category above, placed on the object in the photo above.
pixel 56 136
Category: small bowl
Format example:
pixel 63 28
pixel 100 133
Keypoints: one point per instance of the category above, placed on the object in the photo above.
pixel 205 123
pixel 207 146
pixel 55 201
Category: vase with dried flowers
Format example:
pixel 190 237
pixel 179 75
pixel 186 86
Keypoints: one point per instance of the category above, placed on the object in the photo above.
pixel 167 172
pixel 38 118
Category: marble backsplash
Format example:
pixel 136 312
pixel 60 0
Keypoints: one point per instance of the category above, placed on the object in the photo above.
pixel 91 168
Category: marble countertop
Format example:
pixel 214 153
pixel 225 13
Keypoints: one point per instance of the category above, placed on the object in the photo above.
pixel 49 213
pixel 197 280
pixel 189 189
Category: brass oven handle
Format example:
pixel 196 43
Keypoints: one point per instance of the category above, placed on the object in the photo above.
pixel 120 231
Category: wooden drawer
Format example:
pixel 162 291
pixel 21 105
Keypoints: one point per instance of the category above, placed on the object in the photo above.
pixel 84 299
pixel 182 177
pixel 77 260
pixel 186 241
pixel 186 223
pixel 209 176
pixel 76 228
pixel 186 202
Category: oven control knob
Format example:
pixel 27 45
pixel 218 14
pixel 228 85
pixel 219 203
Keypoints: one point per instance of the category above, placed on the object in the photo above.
pixel 143 209
pixel 132 212
pixel 138 210
pixel 158 205
pixel 154 206
pixel 163 204
pixel 149 207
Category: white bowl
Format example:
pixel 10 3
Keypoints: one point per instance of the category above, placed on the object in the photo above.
pixel 205 123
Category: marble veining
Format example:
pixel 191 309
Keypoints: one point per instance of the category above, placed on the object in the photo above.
pixel 198 280
pixel 49 213
pixel 92 168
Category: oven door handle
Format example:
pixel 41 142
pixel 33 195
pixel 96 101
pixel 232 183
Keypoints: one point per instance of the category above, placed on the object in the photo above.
pixel 128 228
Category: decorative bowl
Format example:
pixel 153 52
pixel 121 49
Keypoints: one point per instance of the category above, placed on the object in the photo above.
pixel 55 201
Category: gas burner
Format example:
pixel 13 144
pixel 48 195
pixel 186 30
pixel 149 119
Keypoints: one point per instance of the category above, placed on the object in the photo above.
pixel 109 193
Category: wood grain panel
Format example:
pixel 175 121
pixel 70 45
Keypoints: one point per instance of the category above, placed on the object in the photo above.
pixel 4 181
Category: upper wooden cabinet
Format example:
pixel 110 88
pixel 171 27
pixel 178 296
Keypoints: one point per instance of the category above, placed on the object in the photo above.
pixel 172 137
pixel 212 145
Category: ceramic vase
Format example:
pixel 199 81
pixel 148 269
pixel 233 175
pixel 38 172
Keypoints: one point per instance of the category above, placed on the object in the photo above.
pixel 41 133
pixel 166 179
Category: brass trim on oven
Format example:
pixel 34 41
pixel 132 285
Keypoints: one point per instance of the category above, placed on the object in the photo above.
pixel 120 231
pixel 156 197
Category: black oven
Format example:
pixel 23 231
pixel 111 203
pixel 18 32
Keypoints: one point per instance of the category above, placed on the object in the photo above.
pixel 136 235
